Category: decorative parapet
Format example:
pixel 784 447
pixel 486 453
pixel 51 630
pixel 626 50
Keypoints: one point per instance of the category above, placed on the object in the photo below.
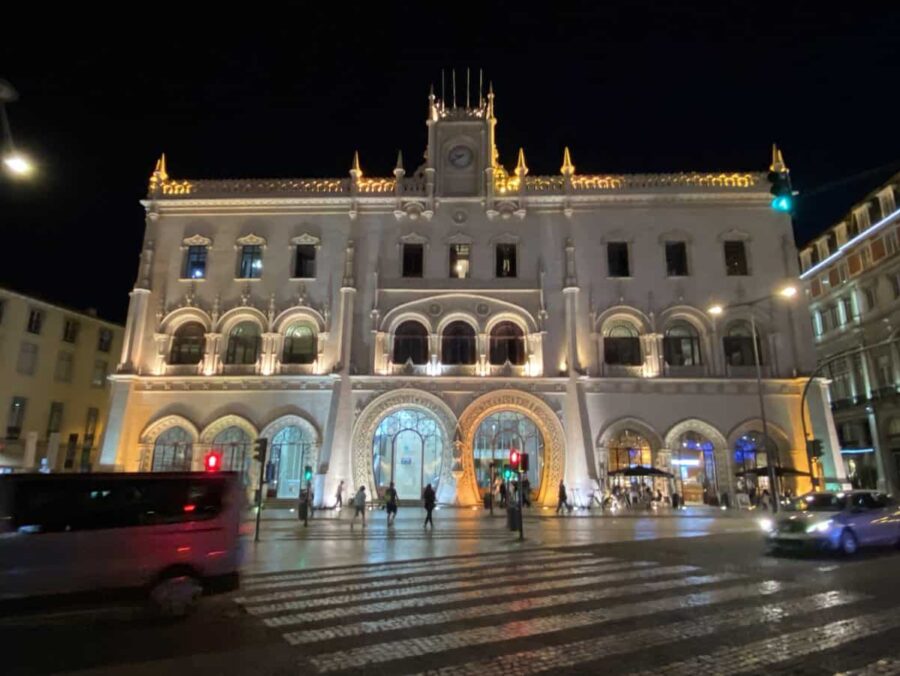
pixel 377 185
pixel 218 188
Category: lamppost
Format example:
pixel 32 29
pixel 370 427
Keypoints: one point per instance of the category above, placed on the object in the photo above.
pixel 715 310
pixel 15 162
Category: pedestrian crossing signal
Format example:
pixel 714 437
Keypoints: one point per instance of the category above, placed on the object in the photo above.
pixel 260 446
pixel 514 457
pixel 307 473
pixel 523 462
pixel 507 473
pixel 213 461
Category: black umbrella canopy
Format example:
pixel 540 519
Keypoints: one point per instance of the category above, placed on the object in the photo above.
pixel 641 470
pixel 779 471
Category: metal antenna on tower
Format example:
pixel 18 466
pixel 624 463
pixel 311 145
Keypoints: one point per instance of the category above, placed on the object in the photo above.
pixel 480 88
pixel 467 88
pixel 443 93
pixel 453 80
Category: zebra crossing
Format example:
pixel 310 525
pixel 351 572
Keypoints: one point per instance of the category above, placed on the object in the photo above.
pixel 543 610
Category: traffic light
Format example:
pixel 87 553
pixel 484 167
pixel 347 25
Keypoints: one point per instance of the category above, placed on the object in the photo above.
pixel 514 457
pixel 523 462
pixel 307 473
pixel 814 448
pixel 260 446
pixel 213 461
pixel 507 472
pixel 780 178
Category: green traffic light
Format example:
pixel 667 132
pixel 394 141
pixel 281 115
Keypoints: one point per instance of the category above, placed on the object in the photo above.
pixel 783 203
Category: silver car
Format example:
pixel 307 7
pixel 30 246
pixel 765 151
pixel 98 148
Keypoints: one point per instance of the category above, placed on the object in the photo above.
pixel 836 521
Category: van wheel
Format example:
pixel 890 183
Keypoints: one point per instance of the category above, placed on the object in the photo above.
pixel 849 543
pixel 175 594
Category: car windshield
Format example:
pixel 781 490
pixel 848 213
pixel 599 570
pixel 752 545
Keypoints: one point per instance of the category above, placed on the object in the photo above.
pixel 820 502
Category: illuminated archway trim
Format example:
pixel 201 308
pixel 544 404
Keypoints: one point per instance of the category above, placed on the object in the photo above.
pixel 378 409
pixel 721 449
pixel 544 418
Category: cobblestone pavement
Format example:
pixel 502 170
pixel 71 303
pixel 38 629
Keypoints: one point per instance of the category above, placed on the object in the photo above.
pixel 671 605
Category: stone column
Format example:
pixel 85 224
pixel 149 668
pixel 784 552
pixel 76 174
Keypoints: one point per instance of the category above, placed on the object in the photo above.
pixel 211 357
pixel 822 427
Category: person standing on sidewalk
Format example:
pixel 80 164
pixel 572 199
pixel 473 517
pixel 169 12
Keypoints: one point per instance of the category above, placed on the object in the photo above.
pixel 359 505
pixel 563 498
pixel 429 497
pixel 390 503
pixel 339 496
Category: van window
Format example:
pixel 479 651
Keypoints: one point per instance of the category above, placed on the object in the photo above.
pixel 54 506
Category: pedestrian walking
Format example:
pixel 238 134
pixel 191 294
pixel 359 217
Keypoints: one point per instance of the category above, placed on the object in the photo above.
pixel 563 498
pixel 526 492
pixel 502 494
pixel 390 504
pixel 429 498
pixel 339 496
pixel 359 506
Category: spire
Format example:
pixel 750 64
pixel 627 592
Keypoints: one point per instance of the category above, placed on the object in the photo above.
pixel 399 166
pixel 160 169
pixel 778 164
pixel 521 168
pixel 354 168
pixel 567 168
pixel 490 101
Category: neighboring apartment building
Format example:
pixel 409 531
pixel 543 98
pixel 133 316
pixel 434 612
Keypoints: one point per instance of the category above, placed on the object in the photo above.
pixel 852 274
pixel 415 327
pixel 54 392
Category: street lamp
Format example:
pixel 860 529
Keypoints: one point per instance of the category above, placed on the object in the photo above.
pixel 15 162
pixel 787 292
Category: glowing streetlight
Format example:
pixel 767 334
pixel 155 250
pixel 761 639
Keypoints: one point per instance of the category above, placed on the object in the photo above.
pixel 788 291
pixel 715 310
pixel 17 164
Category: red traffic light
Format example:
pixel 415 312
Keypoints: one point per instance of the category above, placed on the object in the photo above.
pixel 213 461
pixel 514 457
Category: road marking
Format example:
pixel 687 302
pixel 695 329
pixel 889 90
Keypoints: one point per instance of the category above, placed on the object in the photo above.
pixel 304 581
pixel 478 581
pixel 507 608
pixel 552 658
pixel 753 656
pixel 506 591
pixel 465 638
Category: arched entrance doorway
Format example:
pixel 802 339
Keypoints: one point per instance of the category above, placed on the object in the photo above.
pixel 498 421
pixel 407 450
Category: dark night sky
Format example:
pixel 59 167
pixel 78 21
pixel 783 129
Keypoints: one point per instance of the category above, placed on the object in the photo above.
pixel 629 86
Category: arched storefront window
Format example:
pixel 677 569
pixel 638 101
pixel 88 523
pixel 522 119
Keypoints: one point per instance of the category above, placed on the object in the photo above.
pixel 681 345
pixel 234 445
pixel 172 451
pixel 749 454
pixel 458 344
pixel 497 435
pixel 407 450
pixel 629 449
pixel 410 343
pixel 507 343
pixel 291 450
pixel 188 344
pixel 300 345
pixel 694 467
pixel 622 345
pixel 738 345
pixel 243 344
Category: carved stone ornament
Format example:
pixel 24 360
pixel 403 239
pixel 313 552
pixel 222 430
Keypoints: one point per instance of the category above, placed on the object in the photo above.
pixel 245 296
pixel 250 240
pixel 196 240
pixel 435 309
pixel 307 239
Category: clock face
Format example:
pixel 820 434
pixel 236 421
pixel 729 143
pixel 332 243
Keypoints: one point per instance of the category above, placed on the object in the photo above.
pixel 460 157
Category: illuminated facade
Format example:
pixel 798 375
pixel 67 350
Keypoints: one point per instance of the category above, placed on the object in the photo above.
pixel 412 327
pixel 852 275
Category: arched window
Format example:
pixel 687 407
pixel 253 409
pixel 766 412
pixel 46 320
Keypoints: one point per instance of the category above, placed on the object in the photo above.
pixel 234 445
pixel 300 345
pixel 172 451
pixel 292 451
pixel 497 435
pixel 694 466
pixel 243 344
pixel 629 449
pixel 738 345
pixel 751 452
pixel 681 345
pixel 411 343
pixel 622 345
pixel 407 450
pixel 188 344
pixel 507 344
pixel 458 344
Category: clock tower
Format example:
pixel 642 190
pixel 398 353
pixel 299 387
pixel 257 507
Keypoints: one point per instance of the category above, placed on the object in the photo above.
pixel 461 152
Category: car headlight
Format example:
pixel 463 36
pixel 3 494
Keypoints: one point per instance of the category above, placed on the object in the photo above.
pixel 767 525
pixel 820 527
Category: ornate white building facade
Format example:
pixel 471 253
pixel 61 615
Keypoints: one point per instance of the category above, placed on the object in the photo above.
pixel 411 328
